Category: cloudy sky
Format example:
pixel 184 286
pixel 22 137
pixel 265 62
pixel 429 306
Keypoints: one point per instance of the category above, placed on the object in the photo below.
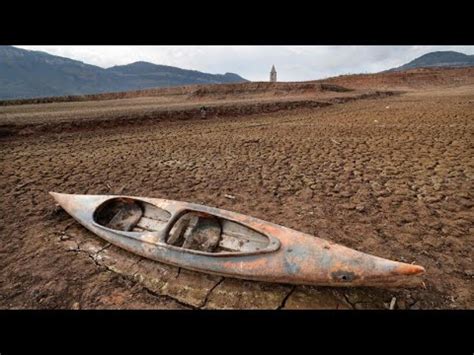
pixel 293 63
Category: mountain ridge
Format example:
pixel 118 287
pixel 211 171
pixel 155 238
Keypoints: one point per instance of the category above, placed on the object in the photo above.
pixel 34 74
pixel 438 59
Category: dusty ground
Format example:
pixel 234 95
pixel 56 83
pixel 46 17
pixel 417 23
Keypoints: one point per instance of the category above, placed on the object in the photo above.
pixel 390 176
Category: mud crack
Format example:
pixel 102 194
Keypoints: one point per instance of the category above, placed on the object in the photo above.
pixel 204 303
pixel 348 301
pixel 283 302
pixel 166 297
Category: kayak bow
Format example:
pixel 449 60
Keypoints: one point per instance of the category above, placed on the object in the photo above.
pixel 221 242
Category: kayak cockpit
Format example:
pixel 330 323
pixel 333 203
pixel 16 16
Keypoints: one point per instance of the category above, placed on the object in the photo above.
pixel 126 214
pixel 191 230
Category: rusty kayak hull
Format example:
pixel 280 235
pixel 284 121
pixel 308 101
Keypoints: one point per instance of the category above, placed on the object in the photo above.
pixel 238 246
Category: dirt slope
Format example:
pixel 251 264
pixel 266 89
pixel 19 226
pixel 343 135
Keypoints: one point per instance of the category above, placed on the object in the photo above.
pixel 414 79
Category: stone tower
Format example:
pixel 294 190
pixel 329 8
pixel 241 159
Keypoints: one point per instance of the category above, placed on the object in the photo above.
pixel 273 75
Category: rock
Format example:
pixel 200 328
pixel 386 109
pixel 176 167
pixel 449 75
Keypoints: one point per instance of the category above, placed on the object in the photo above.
pixel 92 246
pixel 392 303
pixel 360 208
pixel 76 306
pixel 70 245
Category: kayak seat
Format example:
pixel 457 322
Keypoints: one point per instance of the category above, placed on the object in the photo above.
pixel 126 218
pixel 196 231
pixel 204 232
pixel 119 214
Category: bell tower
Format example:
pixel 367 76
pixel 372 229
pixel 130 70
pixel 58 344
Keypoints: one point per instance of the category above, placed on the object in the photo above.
pixel 273 75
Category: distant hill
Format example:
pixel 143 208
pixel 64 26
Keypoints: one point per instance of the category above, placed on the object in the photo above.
pixel 439 59
pixel 144 74
pixel 28 74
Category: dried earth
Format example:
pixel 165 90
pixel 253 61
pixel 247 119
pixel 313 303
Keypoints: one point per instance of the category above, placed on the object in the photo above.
pixel 388 175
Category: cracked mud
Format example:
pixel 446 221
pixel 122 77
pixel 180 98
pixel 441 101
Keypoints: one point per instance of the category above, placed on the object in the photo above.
pixel 390 176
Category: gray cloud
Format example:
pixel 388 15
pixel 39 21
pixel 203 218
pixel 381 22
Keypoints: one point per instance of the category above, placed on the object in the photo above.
pixel 293 63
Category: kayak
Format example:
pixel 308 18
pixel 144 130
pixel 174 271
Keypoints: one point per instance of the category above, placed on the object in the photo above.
pixel 221 242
